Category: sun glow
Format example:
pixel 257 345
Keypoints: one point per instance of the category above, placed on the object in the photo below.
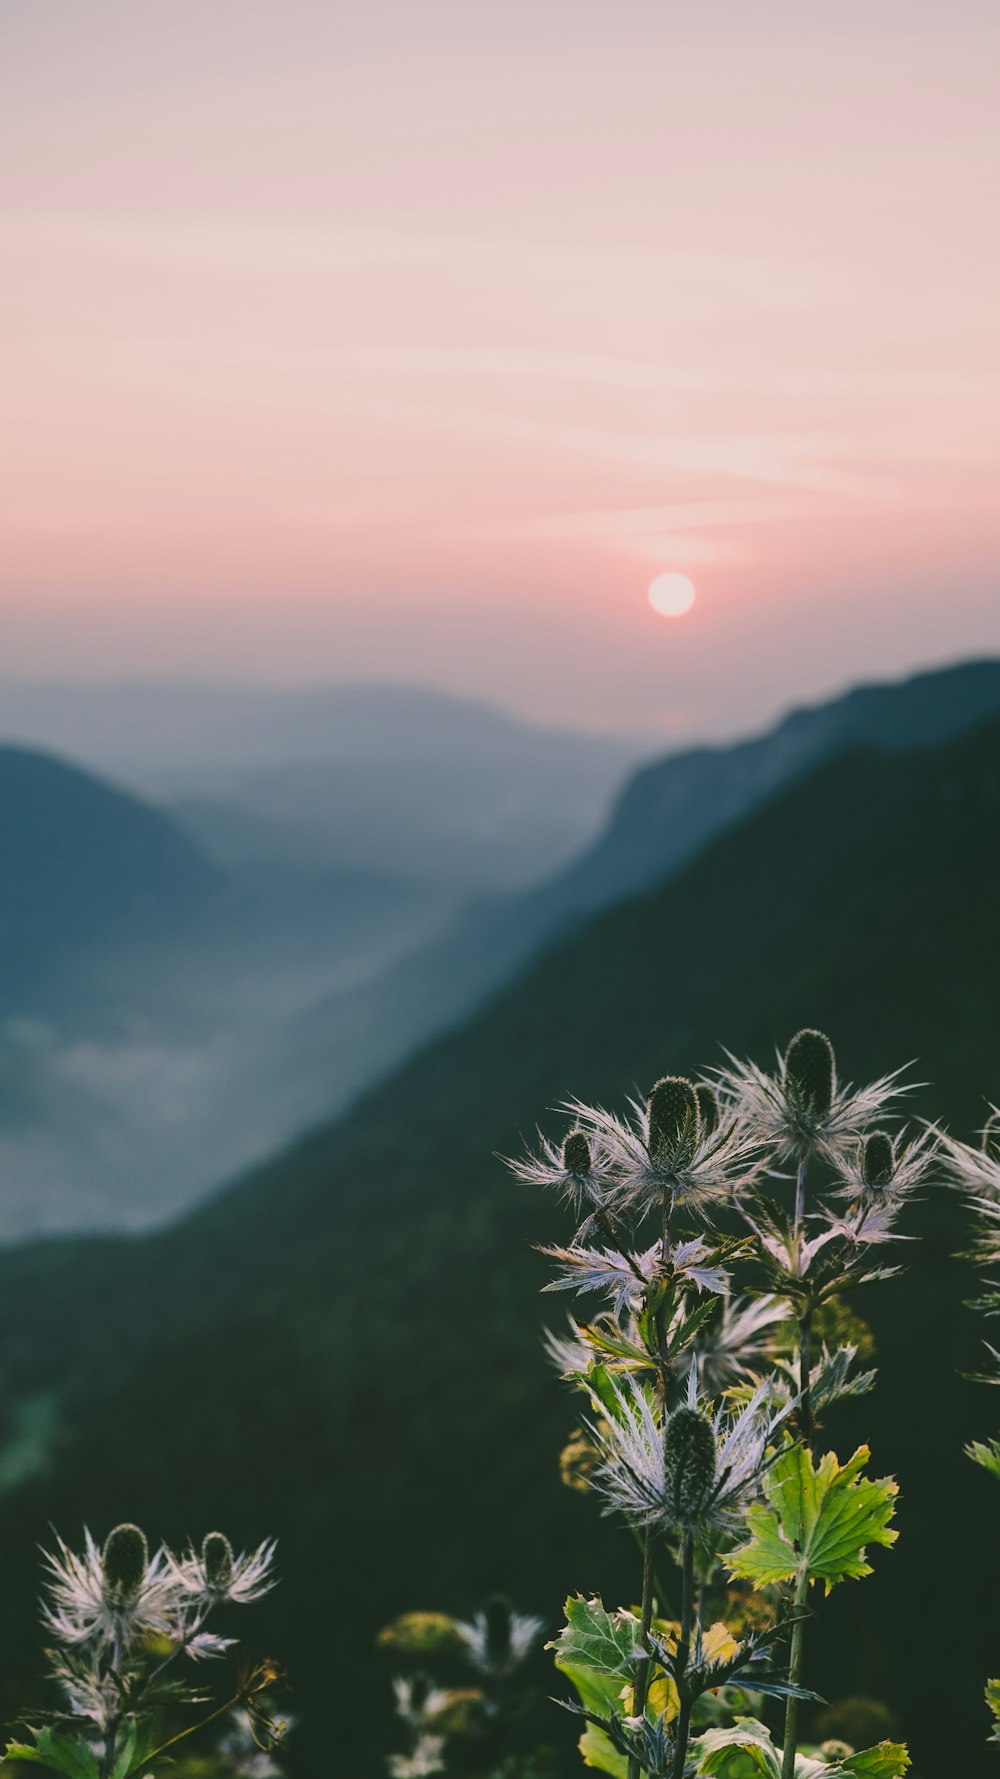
pixel 671 595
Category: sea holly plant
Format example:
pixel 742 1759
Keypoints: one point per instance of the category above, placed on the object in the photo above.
pixel 702 1415
pixel 131 1653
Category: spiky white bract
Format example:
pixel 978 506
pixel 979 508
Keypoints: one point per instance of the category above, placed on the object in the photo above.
pixel 633 1440
pixel 584 1187
pixel 625 1277
pixel 715 1164
pixel 913 1162
pixel 250 1575
pixel 974 1168
pixel 81 1605
pixel 729 1348
pixel 771 1109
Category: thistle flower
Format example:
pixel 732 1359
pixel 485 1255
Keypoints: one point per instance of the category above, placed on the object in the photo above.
pixel 669 1152
pixel 683 1468
pixel 729 1347
pixel 107 1595
pixel 576 1169
pixel 803 1110
pixel 215 1573
pixel 882 1172
pixel 498 1638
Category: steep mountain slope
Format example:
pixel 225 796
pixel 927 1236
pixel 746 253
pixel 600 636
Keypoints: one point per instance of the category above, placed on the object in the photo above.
pixel 84 864
pixel 666 812
pixel 344 1347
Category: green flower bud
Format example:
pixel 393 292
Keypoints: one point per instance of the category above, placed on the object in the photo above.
pixel 126 1556
pixel 878 1159
pixel 217 1559
pixel 708 1106
pixel 688 1464
pixel 810 1071
pixel 576 1153
pixel 674 1121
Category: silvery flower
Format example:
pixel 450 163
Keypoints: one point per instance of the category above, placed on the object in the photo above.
pixel 214 1573
pixel 576 1168
pixel 880 1172
pixel 497 1637
pixel 670 1152
pixel 803 1110
pixel 625 1277
pixel 684 1468
pixel 107 1595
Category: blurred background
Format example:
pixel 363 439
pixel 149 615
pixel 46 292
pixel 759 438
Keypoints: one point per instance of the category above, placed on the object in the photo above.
pixel 499 595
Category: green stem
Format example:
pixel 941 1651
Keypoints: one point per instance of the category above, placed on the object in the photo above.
pixel 686 1701
pixel 790 1743
pixel 643 1664
pixel 182 1735
pixel 806 1419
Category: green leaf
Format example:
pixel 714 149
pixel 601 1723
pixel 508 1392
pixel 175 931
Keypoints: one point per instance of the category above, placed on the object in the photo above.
pixel 742 1752
pixel 602 1695
pixel 594 1638
pixel 63 1754
pixel 596 1652
pixel 815 1521
pixel 888 1760
pixel 992 1696
pixel 986 1455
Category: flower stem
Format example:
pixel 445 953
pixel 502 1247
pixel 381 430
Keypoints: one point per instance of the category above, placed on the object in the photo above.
pixel 790 1743
pixel 643 1664
pixel 683 1729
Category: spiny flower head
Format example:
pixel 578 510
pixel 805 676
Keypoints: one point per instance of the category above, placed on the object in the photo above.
pixel 688 1465
pixel 216 1573
pixel 877 1158
pixel 882 1173
pixel 803 1110
pixel 661 1478
pixel 106 1595
pixel 576 1168
pixel 497 1638
pixel 667 1151
pixel 975 1167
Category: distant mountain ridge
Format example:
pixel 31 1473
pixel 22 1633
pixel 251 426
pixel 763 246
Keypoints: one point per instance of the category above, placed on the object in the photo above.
pixel 666 812
pixel 84 864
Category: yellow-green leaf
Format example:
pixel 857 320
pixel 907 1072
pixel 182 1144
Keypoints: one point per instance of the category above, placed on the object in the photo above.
pixel 816 1519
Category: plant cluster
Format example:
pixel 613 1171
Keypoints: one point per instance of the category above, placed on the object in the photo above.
pixel 719 1224
pixel 131 1651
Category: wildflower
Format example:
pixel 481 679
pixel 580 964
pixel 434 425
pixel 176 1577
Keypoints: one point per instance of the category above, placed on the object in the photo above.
pixel 803 1110
pixel 497 1637
pixel 683 1468
pixel 668 1153
pixel 626 1277
pixel 107 1595
pixel 883 1172
pixel 215 1573
pixel 577 1170
pixel 975 1170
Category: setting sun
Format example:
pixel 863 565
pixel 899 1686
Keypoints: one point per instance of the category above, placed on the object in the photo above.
pixel 671 595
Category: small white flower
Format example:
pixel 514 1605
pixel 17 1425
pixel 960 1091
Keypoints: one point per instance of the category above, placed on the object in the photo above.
pixel 498 1638
pixel 705 1165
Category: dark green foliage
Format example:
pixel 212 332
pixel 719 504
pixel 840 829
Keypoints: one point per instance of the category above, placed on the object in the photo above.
pixel 688 1464
pixel 810 1071
pixel 878 1159
pixel 674 1121
pixel 126 1555
pixel 261 1362
pixel 576 1153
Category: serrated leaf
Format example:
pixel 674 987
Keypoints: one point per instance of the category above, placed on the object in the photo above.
pixel 887 1760
pixel 59 1752
pixel 992 1696
pixel 593 1638
pixel 743 1752
pixel 816 1520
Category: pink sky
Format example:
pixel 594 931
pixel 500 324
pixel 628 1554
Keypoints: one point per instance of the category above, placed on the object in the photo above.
pixel 410 342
